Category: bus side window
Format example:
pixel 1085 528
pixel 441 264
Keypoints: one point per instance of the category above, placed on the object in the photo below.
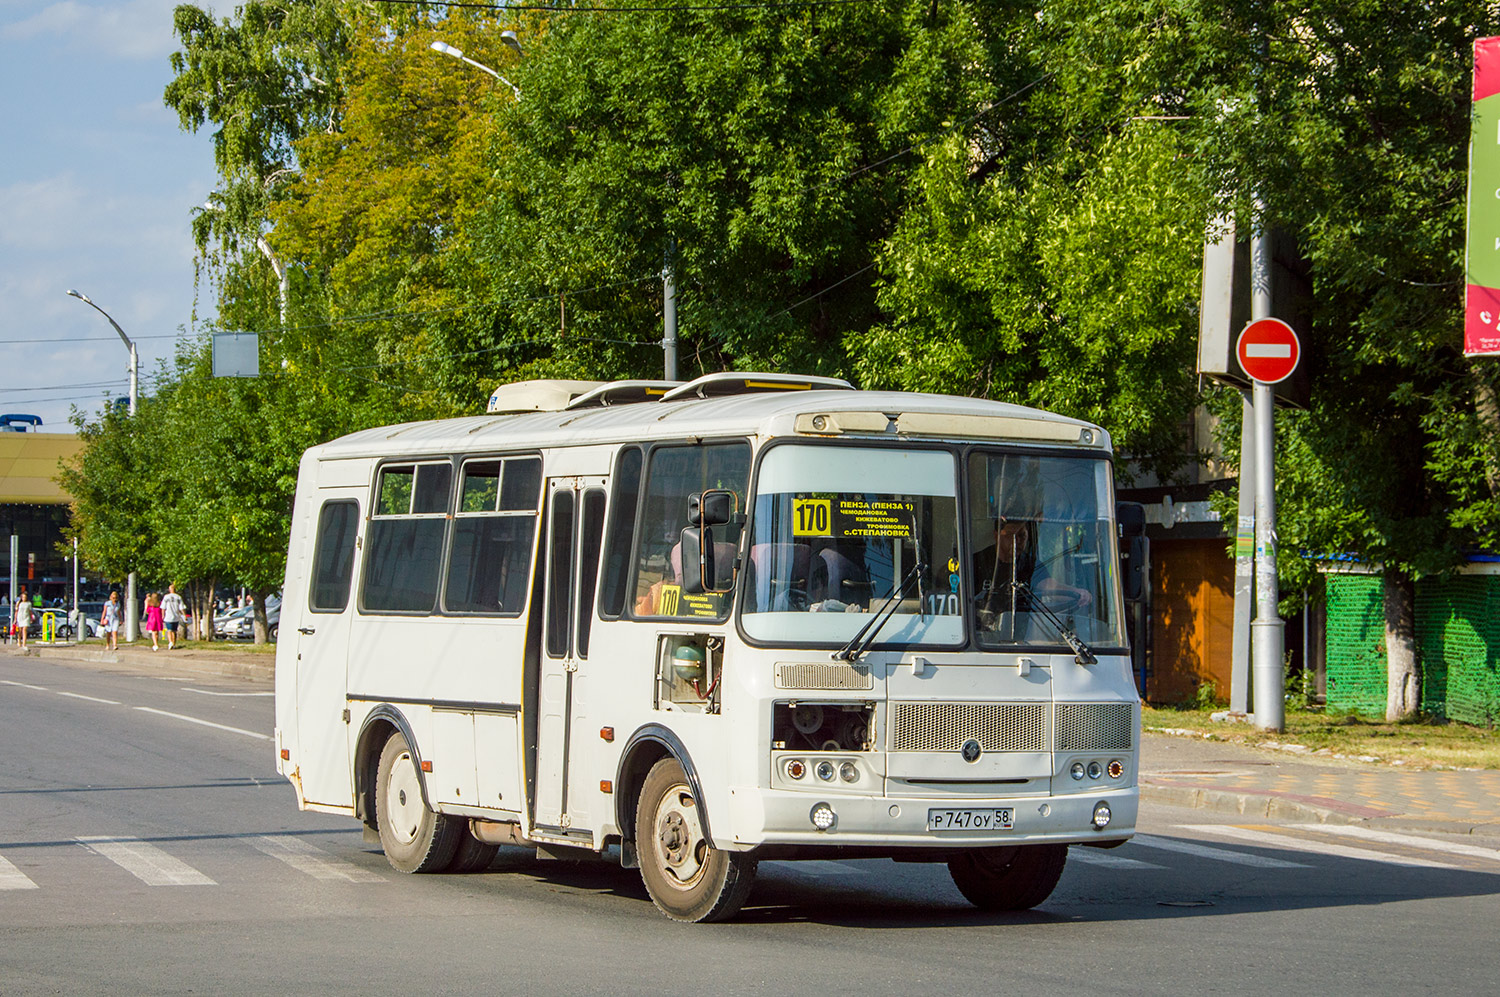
pixel 624 497
pixel 404 548
pixel 333 556
pixel 489 555
pixel 675 474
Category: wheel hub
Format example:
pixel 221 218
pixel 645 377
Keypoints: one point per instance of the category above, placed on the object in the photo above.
pixel 403 799
pixel 680 838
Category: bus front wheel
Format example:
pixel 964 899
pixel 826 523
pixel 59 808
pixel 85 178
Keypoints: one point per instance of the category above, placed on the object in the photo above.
pixel 1015 877
pixel 414 838
pixel 688 878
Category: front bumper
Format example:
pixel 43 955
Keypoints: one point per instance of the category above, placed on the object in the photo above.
pixel 776 817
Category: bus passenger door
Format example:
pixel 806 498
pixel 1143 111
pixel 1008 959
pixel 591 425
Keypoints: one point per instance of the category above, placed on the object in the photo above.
pixel 575 528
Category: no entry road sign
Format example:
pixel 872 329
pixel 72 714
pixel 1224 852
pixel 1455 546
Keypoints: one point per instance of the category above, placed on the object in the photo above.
pixel 1268 350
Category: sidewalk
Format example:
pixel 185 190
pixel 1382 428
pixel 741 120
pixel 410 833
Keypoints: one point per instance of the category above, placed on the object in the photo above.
pixel 1175 771
pixel 1258 782
pixel 224 660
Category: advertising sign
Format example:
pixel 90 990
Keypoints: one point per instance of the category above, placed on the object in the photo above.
pixel 1482 263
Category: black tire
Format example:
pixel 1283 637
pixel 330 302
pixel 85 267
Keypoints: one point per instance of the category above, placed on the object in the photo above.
pixel 414 838
pixel 472 855
pixel 272 632
pixel 1015 877
pixel 688 878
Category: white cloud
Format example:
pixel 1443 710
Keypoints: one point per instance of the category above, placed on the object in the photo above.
pixel 140 29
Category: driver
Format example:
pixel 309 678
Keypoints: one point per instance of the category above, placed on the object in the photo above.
pixel 1012 558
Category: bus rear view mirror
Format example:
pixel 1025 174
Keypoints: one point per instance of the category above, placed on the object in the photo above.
pixel 704 565
pixel 711 508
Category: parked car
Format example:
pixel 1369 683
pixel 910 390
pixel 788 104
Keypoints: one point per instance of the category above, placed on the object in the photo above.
pixel 240 624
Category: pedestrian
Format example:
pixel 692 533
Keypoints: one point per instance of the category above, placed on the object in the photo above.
pixel 109 620
pixel 153 619
pixel 172 613
pixel 21 618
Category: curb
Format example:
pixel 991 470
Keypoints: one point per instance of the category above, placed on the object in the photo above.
pixel 1280 806
pixel 261 667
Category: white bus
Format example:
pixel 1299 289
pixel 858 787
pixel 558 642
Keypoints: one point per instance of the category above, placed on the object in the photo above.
pixel 702 625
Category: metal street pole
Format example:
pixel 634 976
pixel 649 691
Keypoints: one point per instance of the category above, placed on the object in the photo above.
pixel 669 314
pixel 1244 566
pixel 1268 629
pixel 132 611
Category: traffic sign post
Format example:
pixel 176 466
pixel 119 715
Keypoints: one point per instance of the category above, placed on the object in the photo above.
pixel 1268 351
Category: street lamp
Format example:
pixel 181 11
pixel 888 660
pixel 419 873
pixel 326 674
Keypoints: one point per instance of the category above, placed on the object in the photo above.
pixel 446 49
pixel 135 361
pixel 132 611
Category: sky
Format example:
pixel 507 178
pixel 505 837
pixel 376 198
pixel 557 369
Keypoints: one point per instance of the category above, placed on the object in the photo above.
pixel 97 186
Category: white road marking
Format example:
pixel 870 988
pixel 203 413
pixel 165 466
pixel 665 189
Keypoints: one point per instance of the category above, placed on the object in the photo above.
pixel 91 699
pixel 1412 840
pixel 210 692
pixel 312 860
pixel 23 685
pixel 145 862
pixel 12 878
pixel 205 723
pixel 1217 854
pixel 1271 839
pixel 1093 856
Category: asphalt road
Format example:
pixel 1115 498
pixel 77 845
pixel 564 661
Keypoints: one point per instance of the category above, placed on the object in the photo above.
pixel 147 846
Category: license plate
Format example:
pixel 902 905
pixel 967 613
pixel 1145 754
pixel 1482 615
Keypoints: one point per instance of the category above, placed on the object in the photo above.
pixel 980 819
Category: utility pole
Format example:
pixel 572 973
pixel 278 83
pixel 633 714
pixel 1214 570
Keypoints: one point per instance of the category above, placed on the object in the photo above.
pixel 669 313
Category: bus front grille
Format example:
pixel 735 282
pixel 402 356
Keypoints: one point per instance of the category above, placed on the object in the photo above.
pixel 948 726
pixel 1012 726
pixel 1095 726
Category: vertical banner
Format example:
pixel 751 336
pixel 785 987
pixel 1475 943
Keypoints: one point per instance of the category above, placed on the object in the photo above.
pixel 1482 260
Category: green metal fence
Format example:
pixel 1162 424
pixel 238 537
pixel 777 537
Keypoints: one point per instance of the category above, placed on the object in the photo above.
pixel 1458 646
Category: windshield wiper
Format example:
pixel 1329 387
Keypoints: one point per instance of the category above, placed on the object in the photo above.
pixel 1082 654
pixel 860 643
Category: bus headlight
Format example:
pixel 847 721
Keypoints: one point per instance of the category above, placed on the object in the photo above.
pixel 849 772
pixel 1095 770
pixel 822 816
pixel 1102 815
pixel 1115 769
pixel 824 770
pixel 1077 770
pixel 796 768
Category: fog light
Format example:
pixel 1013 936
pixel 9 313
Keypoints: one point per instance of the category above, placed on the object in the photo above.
pixel 849 772
pixel 1095 771
pixel 1102 815
pixel 822 816
pixel 1115 769
pixel 824 770
pixel 1077 770
pixel 796 768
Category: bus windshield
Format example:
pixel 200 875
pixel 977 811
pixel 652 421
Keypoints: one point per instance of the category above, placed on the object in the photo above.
pixel 1041 529
pixel 837 530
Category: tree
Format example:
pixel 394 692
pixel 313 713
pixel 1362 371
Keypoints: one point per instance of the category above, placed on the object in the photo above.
pixel 742 147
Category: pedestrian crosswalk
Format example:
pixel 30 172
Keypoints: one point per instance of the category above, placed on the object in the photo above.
pixel 1292 849
pixel 154 864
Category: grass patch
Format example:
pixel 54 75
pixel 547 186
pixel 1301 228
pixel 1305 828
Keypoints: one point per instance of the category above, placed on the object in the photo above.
pixel 225 646
pixel 1418 744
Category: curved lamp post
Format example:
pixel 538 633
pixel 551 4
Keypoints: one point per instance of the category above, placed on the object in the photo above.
pixel 132 611
pixel 449 50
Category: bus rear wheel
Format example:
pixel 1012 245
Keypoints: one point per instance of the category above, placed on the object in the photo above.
pixel 688 878
pixel 1015 877
pixel 414 838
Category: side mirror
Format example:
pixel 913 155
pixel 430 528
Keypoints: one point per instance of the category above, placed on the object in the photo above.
pixel 1131 517
pixel 704 569
pixel 710 508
